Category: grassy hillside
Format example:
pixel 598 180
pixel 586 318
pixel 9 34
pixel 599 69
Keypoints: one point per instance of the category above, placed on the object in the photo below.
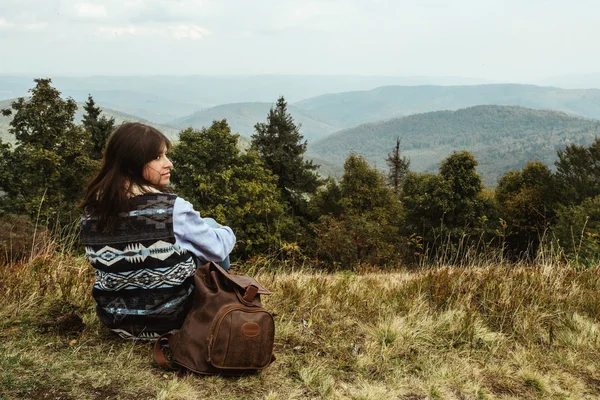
pixel 170 132
pixel 353 108
pixel 501 138
pixel 484 332
pixel 242 117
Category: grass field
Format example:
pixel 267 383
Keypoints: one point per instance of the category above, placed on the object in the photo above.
pixel 486 332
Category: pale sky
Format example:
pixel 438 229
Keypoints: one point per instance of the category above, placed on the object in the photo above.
pixel 503 40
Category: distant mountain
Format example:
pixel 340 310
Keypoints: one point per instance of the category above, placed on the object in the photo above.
pixel 501 138
pixel 170 132
pixel 143 105
pixel 353 108
pixel 162 98
pixel 242 117
pixel 573 81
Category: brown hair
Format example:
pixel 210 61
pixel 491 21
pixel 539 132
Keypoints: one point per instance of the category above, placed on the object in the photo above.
pixel 128 149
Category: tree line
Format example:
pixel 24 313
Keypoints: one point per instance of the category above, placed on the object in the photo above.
pixel 278 205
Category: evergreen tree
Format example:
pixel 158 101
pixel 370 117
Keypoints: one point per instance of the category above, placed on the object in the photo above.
pixel 528 201
pixel 399 167
pixel 425 198
pixel 448 208
pixel 463 185
pixel 578 172
pixel 361 222
pixel 280 145
pixel 235 189
pixel 50 164
pixel 98 127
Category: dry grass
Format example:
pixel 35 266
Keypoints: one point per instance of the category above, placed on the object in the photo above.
pixel 484 332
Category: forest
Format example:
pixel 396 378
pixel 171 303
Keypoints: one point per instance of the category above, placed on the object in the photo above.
pixel 280 207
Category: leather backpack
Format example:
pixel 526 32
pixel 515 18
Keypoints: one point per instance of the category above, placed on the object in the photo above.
pixel 226 332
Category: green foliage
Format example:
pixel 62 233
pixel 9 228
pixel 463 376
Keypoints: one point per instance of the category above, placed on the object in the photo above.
pixel 578 172
pixel 424 199
pixel 527 200
pixel 449 210
pixel 280 146
pixel 98 127
pixel 356 239
pixel 578 231
pixel 399 166
pixel 501 138
pixel 50 164
pixel 360 218
pixel 234 188
pixel 364 188
pixel 327 200
pixel 463 184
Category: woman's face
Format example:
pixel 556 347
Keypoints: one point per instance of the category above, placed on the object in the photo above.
pixel 158 171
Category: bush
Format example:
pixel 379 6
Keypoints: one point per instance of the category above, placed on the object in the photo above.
pixel 578 231
pixel 20 238
pixel 352 240
pixel 359 220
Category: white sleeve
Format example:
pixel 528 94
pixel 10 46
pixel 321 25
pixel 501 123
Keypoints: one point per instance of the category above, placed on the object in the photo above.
pixel 193 233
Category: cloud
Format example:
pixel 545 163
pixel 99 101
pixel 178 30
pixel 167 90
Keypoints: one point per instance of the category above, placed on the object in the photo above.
pixel 4 24
pixel 194 32
pixel 35 26
pixel 180 31
pixel 12 26
pixel 89 10
pixel 162 11
pixel 112 32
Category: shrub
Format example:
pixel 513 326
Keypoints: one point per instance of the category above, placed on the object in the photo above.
pixel 20 238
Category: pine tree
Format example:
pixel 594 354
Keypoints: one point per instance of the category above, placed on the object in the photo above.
pixel 98 127
pixel 280 145
pixel 399 167
pixel 50 164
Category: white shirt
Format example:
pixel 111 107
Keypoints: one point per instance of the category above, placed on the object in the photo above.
pixel 194 234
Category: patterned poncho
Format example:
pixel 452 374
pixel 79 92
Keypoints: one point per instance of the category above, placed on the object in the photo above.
pixel 144 280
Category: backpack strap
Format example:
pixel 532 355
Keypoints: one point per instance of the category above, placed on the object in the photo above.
pixel 251 292
pixel 159 356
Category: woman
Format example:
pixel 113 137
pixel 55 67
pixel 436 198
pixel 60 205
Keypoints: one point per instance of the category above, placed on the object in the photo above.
pixel 144 242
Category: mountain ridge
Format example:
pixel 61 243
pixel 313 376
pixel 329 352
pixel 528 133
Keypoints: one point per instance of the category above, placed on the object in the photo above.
pixel 120 117
pixel 500 137
pixel 242 117
pixel 353 108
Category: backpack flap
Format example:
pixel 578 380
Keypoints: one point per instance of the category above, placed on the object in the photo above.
pixel 241 281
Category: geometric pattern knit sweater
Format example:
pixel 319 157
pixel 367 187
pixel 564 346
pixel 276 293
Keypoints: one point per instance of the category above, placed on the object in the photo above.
pixel 144 280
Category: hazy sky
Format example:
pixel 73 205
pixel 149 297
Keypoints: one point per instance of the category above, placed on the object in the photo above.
pixel 506 40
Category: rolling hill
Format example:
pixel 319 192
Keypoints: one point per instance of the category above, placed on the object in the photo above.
pixel 170 132
pixel 130 93
pixel 501 138
pixel 353 108
pixel 242 117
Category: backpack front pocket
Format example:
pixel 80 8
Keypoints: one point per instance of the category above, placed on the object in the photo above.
pixel 241 338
